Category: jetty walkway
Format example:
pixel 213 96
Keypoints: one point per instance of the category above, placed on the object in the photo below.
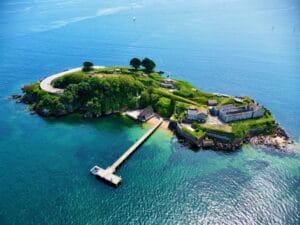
pixel 108 173
pixel 46 84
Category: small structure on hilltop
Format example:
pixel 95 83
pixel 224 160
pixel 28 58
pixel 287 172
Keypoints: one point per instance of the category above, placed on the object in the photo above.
pixel 229 113
pixel 146 114
pixel 196 115
pixel 222 95
pixel 168 83
pixel 212 102
pixel 238 99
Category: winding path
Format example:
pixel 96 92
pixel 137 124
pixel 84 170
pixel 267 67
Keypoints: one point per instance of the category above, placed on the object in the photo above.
pixel 46 84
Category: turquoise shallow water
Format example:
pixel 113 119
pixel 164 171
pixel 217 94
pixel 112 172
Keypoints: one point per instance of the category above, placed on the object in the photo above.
pixel 237 47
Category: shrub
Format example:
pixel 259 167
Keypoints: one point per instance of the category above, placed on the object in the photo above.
pixel 164 107
pixel 74 78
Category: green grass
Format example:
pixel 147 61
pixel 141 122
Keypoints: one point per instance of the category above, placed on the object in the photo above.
pixel 267 122
pixel 198 126
pixel 72 78
pixel 167 94
pixel 196 133
pixel 240 128
pixel 167 103
pixel 225 101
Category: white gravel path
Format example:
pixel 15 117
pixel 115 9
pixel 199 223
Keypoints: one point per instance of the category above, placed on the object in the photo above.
pixel 46 83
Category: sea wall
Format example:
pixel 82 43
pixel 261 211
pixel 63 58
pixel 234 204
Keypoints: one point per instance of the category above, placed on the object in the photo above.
pixel 192 139
pixel 211 139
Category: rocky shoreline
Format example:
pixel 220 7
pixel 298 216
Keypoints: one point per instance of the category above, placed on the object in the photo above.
pixel 274 141
pixel 279 140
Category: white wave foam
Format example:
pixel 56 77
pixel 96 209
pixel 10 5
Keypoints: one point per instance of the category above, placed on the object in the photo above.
pixel 101 12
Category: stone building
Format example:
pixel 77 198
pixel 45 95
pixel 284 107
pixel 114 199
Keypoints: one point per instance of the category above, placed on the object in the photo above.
pixel 146 114
pixel 229 113
pixel 195 115
pixel 212 102
pixel 168 83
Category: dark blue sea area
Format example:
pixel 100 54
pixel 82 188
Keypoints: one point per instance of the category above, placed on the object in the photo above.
pixel 238 47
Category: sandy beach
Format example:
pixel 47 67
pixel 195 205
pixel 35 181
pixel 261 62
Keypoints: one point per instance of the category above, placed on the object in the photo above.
pixel 164 126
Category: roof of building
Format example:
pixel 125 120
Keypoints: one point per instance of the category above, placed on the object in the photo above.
pixel 239 100
pixel 146 111
pixel 212 102
pixel 202 110
pixel 224 106
pixel 168 81
pixel 194 111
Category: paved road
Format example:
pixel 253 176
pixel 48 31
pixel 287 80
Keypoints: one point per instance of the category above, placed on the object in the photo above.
pixel 46 83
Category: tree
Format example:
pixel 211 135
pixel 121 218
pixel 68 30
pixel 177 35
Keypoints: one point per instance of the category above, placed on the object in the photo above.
pixel 145 99
pixel 148 64
pixel 164 107
pixel 94 106
pixel 136 63
pixel 87 66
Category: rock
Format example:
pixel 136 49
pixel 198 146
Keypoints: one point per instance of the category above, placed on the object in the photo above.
pixel 108 112
pixel 27 99
pixel 88 115
pixel 15 97
pixel 279 140
pixel 91 115
pixel 44 112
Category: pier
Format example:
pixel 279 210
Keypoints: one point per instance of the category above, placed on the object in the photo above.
pixel 108 173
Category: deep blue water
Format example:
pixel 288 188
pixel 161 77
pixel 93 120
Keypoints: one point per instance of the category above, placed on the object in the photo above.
pixel 240 47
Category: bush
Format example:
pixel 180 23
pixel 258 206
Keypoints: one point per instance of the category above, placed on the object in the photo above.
pixel 164 107
pixel 156 76
pixel 74 78
pixel 33 93
pixel 173 97
pixel 94 106
pixel 51 104
pixel 184 92
pixel 145 99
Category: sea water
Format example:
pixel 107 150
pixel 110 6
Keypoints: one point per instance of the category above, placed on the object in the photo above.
pixel 236 47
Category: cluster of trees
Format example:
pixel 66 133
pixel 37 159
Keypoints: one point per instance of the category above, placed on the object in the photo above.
pixel 74 78
pixel 91 95
pixel 88 94
pixel 163 105
pixel 147 63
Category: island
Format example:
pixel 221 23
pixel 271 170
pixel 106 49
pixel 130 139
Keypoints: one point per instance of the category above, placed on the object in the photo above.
pixel 199 119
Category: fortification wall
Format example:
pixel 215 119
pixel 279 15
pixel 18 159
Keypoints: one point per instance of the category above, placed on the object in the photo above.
pixel 189 137
pixel 234 117
pixel 258 113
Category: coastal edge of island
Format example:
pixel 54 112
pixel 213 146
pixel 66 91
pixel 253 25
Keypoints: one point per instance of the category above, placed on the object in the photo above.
pixel 199 119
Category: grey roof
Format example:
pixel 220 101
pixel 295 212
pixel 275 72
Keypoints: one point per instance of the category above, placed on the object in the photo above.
pixel 212 102
pixel 147 111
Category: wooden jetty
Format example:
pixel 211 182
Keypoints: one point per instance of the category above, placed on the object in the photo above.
pixel 108 173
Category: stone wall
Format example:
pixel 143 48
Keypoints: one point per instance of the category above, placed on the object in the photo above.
pixel 233 117
pixel 219 137
pixel 189 137
pixel 258 113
